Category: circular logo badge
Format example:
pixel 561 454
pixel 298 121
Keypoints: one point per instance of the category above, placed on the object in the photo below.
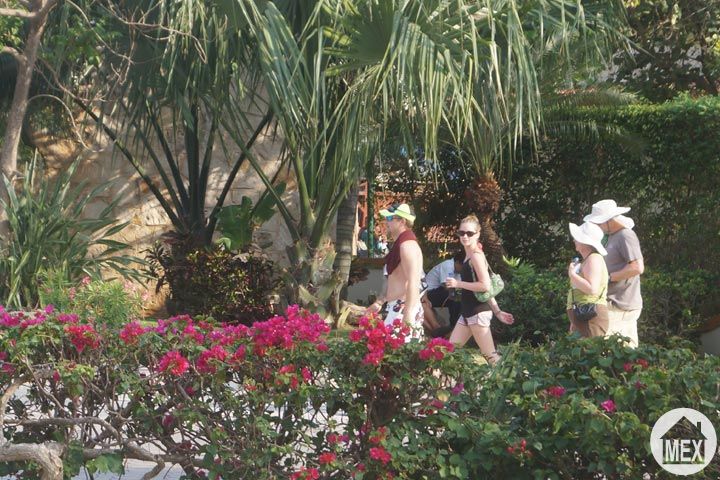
pixel 683 441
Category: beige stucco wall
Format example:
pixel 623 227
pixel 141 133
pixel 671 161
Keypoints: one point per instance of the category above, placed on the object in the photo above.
pixel 101 162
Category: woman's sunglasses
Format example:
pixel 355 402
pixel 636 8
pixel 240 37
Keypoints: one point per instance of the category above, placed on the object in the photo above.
pixel 463 233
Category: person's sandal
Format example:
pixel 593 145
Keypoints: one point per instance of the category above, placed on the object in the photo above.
pixel 492 358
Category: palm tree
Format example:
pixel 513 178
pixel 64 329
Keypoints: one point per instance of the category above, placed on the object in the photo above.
pixel 181 85
pixel 463 68
pixel 561 38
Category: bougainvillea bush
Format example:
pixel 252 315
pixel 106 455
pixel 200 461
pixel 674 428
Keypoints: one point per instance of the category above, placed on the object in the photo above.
pixel 285 399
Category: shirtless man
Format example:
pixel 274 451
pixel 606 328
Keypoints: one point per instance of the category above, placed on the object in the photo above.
pixel 405 281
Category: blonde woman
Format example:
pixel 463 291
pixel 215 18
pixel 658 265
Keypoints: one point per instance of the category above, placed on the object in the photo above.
pixel 475 316
pixel 588 280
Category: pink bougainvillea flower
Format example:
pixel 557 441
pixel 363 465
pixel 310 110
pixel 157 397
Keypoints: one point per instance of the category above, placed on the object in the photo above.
pixel 356 335
pixel 334 438
pixel 299 326
pixel 326 458
pixel 67 318
pixel 556 391
pixel 306 374
pixel 608 406
pixel 458 388
pixel 380 454
pixel 208 360
pixel 168 420
pixel 173 362
pixel 35 320
pixel 628 367
pixel 306 474
pixel 378 436
pixel 436 348
pixel 130 333
pixel 439 404
pixel 239 355
pixel 643 363
pixel 285 369
pixel 8 320
pixel 83 336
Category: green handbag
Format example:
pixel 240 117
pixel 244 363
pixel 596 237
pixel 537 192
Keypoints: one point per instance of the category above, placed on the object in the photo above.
pixel 496 286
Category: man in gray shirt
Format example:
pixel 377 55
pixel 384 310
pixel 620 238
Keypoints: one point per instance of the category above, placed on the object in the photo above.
pixel 625 265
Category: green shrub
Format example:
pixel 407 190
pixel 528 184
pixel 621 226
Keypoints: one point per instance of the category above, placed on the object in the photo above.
pixel 570 432
pixel 281 398
pixel 110 303
pixel 671 186
pixel 537 300
pixel 674 304
pixel 49 232
pixel 214 281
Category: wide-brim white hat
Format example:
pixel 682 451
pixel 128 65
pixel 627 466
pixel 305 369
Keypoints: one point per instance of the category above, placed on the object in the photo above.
pixel 588 234
pixel 604 210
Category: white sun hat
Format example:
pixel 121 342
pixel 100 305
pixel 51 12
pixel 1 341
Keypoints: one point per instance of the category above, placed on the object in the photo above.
pixel 626 222
pixel 589 234
pixel 604 210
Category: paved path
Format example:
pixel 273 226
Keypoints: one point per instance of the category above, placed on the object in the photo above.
pixel 134 470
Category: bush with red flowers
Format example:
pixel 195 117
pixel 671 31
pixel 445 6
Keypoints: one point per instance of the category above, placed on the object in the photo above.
pixel 284 399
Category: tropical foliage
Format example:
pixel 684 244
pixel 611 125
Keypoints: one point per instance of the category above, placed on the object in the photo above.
pixel 49 232
pixel 668 182
pixel 283 400
pixel 676 49
pixel 230 286
pixel 434 70
pixel 676 303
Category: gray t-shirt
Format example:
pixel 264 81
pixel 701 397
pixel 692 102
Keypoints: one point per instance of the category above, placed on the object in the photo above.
pixel 623 247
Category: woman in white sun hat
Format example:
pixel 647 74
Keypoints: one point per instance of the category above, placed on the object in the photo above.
pixel 588 280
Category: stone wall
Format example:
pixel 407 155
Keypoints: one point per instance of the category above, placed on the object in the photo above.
pixel 100 162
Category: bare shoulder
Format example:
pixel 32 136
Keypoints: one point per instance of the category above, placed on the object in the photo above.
pixel 479 258
pixel 596 261
pixel 411 248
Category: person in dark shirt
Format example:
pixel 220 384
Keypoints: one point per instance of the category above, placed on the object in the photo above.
pixel 475 316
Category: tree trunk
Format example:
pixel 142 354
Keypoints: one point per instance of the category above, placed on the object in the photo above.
pixel 26 65
pixel 46 455
pixel 344 232
pixel 483 199
pixel 371 208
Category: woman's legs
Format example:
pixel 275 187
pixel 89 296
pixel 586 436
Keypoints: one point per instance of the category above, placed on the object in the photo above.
pixel 483 337
pixel 460 334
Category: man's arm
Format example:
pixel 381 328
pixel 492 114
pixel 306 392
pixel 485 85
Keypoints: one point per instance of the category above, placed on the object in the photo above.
pixel 411 263
pixel 635 267
pixel 630 251
pixel 380 299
